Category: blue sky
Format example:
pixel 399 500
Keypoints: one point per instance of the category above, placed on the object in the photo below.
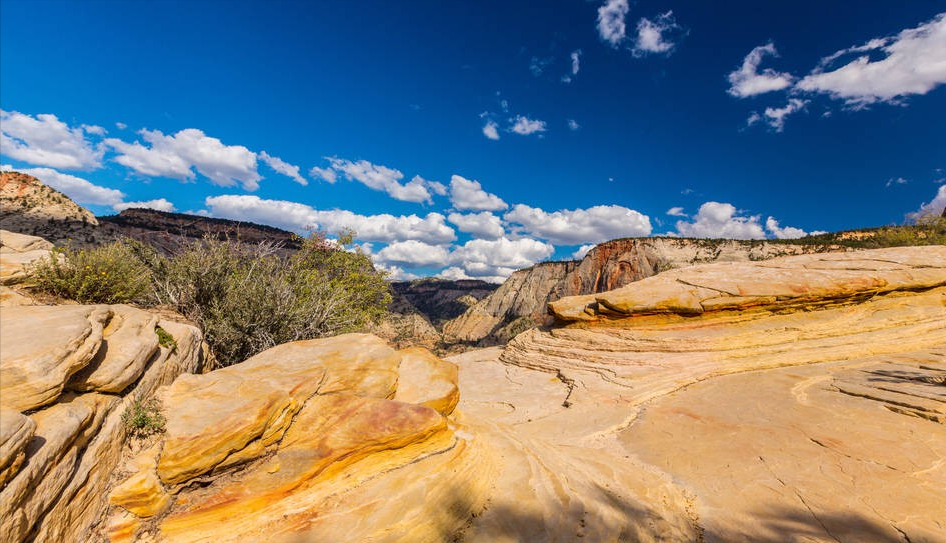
pixel 471 139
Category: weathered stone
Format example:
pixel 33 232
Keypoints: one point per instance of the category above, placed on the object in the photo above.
pixel 142 493
pixel 129 341
pixel 16 430
pixel 426 380
pixel 41 347
pixel 17 252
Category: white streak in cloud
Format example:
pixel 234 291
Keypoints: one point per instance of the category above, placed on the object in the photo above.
pixel 775 117
pixel 468 194
pixel 914 63
pixel 44 140
pixel 524 126
pixel 895 181
pixel 482 225
pixel 787 232
pixel 283 167
pixel 380 178
pixel 719 220
pixel 611 25
pixel 582 251
pixel 934 207
pixel 653 35
pixel 573 226
pixel 676 212
pixel 161 204
pixel 177 156
pixel 491 130
pixel 573 125
pixel 385 228
pixel 748 81
pixel 325 174
pixel 576 61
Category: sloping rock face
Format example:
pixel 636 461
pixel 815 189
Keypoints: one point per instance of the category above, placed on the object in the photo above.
pixel 523 296
pixel 608 266
pixel 796 399
pixel 27 205
pixel 67 374
pixel 17 251
pixel 337 439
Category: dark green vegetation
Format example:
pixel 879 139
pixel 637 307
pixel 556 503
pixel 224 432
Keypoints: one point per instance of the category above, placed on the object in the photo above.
pixel 245 298
pixel 143 419
pixel 929 230
pixel 165 339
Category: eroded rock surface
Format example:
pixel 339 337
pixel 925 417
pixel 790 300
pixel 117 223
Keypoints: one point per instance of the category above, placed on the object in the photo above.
pixel 286 442
pixel 17 252
pixel 67 374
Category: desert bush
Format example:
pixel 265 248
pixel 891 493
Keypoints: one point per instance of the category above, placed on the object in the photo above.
pixel 248 299
pixel 144 418
pixel 107 274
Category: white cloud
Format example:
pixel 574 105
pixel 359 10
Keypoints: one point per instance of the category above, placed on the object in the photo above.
pixel 176 156
pixel 468 194
pixel 896 181
pixel 283 167
pixel 483 225
pixel 95 130
pixel 524 126
pixel 396 273
pixel 915 63
pixel 76 188
pixel 611 25
pixel 933 207
pixel 775 117
pixel 573 124
pixel 160 204
pixel 582 251
pixel 326 174
pixel 748 81
pixel 676 212
pixel 788 232
pixel 414 254
pixel 719 220
pixel 121 126
pixel 491 130
pixel 44 140
pixel 576 61
pixel 386 228
pixel 652 36
pixel 379 178
pixel 496 259
pixel 571 227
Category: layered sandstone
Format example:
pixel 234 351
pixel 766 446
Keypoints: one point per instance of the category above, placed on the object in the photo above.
pixel 521 301
pixel 17 252
pixel 321 440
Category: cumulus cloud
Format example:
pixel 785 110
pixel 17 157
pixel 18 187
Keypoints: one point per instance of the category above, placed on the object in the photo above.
pixel 573 124
pixel 385 228
pixel 161 204
pixel 491 130
pixel 676 212
pixel 468 194
pixel 95 130
pixel 483 225
pixel 177 156
pixel 574 226
pixel 775 116
pixel 720 220
pixel 76 188
pixel 414 254
pixel 492 259
pixel 582 251
pixel 788 232
pixel 914 63
pixel 524 126
pixel 44 140
pixel 611 25
pixel 933 207
pixel 747 81
pixel 380 178
pixel 283 167
pixel 655 36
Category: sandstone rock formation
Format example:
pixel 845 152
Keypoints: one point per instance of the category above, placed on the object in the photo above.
pixel 308 441
pixel 17 251
pixel 27 205
pixel 807 406
pixel 67 374
pixel 521 301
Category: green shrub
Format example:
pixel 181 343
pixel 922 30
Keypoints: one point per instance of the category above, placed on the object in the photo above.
pixel 143 419
pixel 165 339
pixel 107 274
pixel 248 299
